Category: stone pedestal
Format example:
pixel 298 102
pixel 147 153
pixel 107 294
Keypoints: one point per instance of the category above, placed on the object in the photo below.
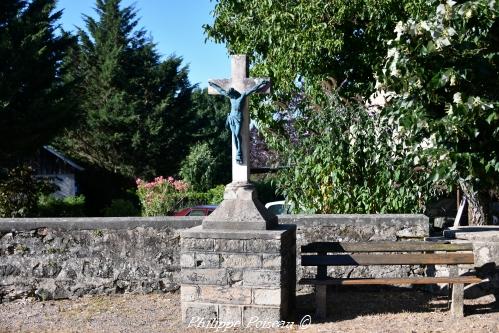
pixel 240 210
pixel 237 276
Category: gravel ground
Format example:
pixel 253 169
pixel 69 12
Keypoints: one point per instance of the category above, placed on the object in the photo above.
pixel 351 311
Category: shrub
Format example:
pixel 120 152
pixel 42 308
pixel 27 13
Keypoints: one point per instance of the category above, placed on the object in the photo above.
pixel 213 196
pixel 19 191
pixel 266 190
pixel 50 206
pixel 216 195
pixel 121 207
pixel 165 196
pixel 198 168
pixel 362 163
pixel 161 196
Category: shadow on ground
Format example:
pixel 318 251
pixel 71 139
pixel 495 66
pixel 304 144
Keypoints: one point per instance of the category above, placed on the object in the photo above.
pixel 346 303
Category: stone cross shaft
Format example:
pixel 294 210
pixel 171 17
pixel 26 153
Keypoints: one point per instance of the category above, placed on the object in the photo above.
pixel 242 83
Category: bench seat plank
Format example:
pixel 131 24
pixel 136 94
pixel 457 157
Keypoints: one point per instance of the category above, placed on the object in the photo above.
pixel 384 247
pixel 387 259
pixel 391 281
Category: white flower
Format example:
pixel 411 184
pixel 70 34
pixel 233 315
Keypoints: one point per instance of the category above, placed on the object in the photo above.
pixel 379 99
pixel 441 9
pixel 425 25
pixel 476 101
pixel 399 29
pixel 393 52
pixel 457 98
pixel 452 80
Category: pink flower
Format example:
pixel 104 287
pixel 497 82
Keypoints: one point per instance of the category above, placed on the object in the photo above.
pixel 180 186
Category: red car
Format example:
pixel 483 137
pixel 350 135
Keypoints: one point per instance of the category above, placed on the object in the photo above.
pixel 203 210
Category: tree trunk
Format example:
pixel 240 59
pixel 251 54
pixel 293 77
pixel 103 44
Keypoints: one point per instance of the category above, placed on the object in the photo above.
pixel 478 205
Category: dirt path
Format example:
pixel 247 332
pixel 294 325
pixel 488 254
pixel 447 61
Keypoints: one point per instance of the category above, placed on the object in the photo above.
pixel 351 311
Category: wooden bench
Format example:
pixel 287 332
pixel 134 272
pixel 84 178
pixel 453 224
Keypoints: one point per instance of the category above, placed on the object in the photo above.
pixel 387 253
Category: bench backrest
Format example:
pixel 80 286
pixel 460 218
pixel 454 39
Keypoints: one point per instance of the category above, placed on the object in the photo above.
pixel 376 253
pixel 324 247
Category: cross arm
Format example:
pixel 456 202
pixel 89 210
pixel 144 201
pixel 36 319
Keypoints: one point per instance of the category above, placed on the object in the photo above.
pixel 219 87
pixel 258 87
pixel 248 83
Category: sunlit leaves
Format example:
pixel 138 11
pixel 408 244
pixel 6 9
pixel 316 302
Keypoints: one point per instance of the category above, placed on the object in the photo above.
pixel 310 40
pixel 453 55
pixel 351 161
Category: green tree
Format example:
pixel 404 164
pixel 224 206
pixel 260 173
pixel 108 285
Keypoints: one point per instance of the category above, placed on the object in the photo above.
pixel 209 127
pixel 33 103
pixel 337 154
pixel 134 107
pixel 311 40
pixel 442 71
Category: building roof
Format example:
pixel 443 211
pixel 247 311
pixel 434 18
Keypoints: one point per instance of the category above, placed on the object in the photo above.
pixel 65 159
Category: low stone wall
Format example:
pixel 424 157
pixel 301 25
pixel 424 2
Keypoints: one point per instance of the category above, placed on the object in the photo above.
pixel 485 240
pixel 62 258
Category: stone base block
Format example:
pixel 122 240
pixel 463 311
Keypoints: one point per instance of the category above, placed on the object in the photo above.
pixel 246 277
pixel 240 210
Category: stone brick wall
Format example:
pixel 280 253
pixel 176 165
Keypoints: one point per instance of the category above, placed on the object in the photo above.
pixel 62 258
pixel 234 276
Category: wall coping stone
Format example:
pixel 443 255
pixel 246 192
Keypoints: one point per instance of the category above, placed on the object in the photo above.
pixel 276 233
pixel 92 223
pixel 325 219
pixel 186 222
pixel 484 233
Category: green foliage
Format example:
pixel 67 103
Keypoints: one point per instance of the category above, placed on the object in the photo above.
pixel 348 160
pixel 310 40
pixel 215 195
pixel 210 158
pixel 442 72
pixel 208 123
pixel 50 206
pixel 199 167
pixel 19 191
pixel 339 158
pixel 134 107
pixel 267 190
pixel 121 207
pixel 33 107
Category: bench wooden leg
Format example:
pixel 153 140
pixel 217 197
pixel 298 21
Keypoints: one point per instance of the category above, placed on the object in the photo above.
pixel 457 305
pixel 320 301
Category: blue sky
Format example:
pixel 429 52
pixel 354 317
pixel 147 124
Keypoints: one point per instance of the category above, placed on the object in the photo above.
pixel 176 28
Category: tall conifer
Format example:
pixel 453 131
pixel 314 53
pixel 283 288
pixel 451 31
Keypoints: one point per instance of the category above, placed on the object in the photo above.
pixel 33 103
pixel 134 106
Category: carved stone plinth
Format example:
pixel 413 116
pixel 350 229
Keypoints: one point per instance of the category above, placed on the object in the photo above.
pixel 240 210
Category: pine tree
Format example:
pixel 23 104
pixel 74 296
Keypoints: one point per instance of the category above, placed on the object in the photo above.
pixel 33 103
pixel 134 107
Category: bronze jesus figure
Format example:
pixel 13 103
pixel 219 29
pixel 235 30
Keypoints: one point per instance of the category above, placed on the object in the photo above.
pixel 235 117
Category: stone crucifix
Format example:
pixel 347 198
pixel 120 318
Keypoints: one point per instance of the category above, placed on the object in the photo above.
pixel 237 89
